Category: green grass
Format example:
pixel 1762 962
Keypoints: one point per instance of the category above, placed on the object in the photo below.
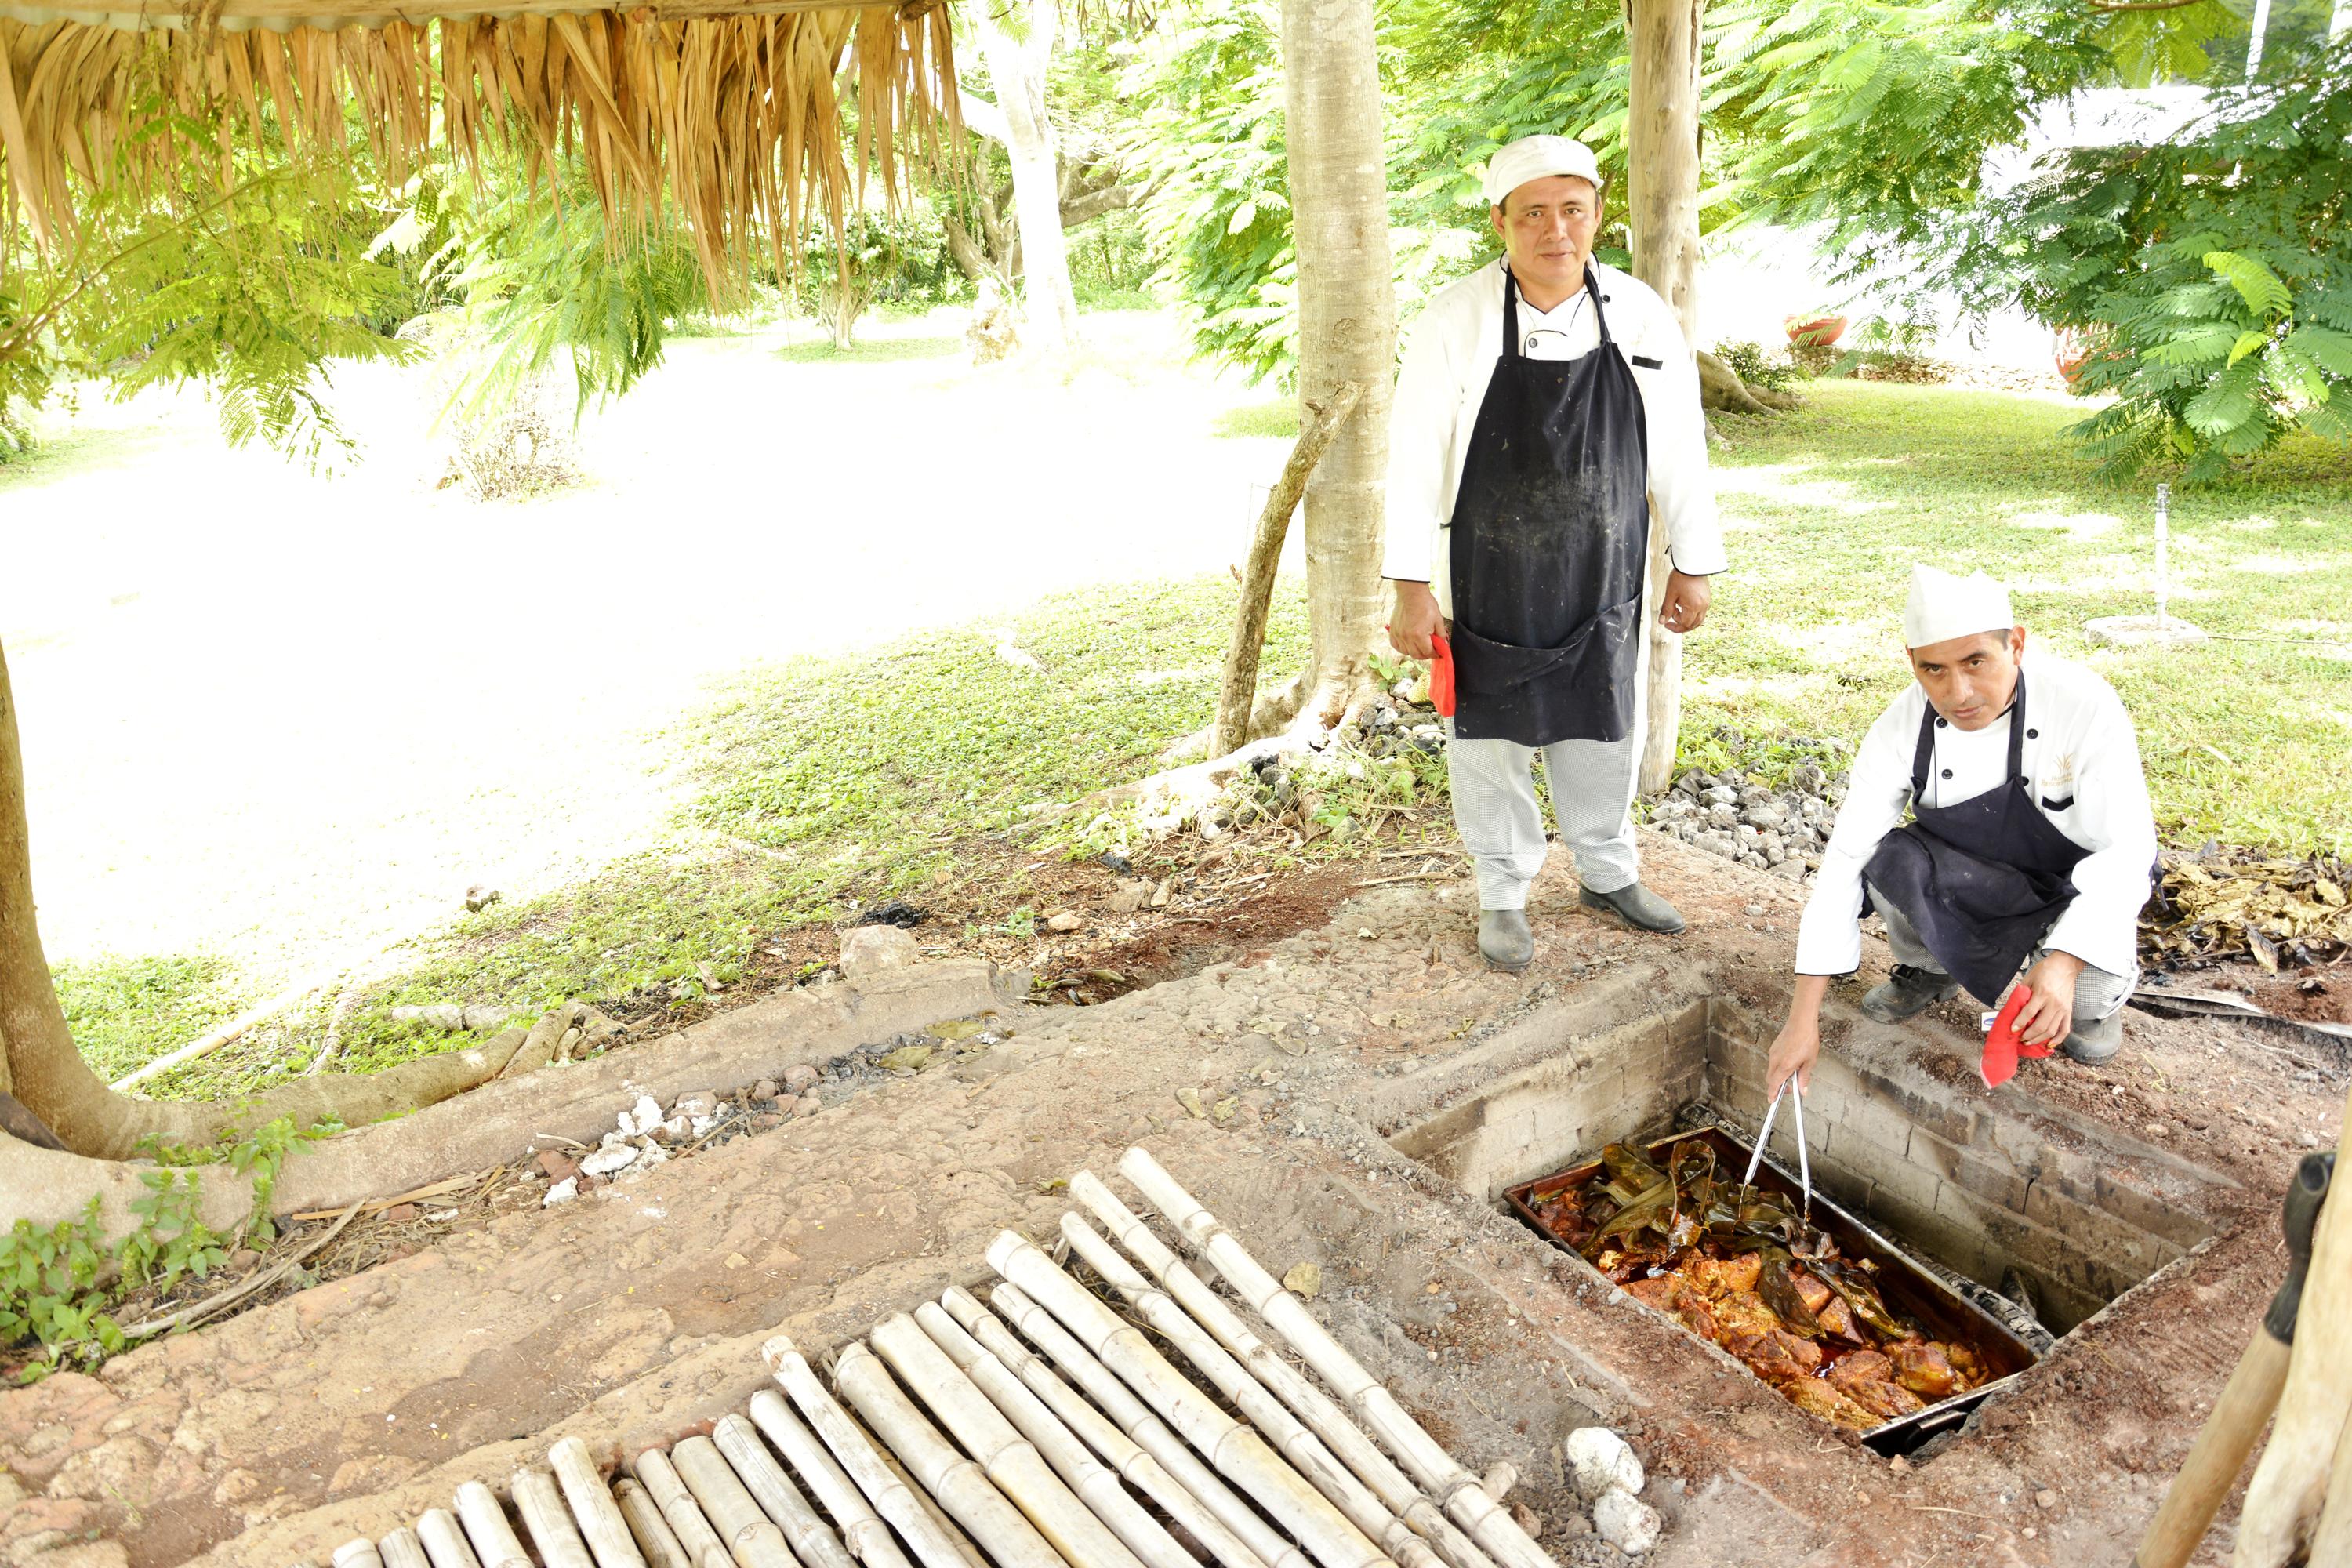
pixel 869 350
pixel 2245 740
pixel 126 1012
pixel 1275 417
pixel 821 779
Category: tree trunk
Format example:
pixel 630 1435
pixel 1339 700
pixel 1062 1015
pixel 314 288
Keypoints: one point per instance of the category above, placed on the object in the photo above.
pixel 1346 332
pixel 1662 210
pixel 42 1071
pixel 1017 63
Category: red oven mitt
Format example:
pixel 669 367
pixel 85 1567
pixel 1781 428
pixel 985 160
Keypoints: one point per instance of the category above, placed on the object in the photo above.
pixel 1441 675
pixel 2002 1047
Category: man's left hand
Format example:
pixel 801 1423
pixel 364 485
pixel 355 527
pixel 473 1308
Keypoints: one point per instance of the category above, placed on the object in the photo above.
pixel 1684 609
pixel 2048 1015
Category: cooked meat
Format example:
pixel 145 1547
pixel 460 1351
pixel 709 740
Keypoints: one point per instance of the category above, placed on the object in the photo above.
pixel 1775 1355
pixel 1837 1321
pixel 1815 1396
pixel 1672 1294
pixel 1967 1362
pixel 1725 1276
pixel 1867 1378
pixel 1921 1366
pixel 1744 1312
pixel 1812 1291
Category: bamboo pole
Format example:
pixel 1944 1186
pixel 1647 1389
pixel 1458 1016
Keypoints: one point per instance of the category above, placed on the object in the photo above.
pixel 1134 1420
pixel 357 1552
pixel 1237 693
pixel 1465 1500
pixel 1007 1457
pixel 681 1512
pixel 962 1489
pixel 1237 1452
pixel 1310 1404
pixel 811 1538
pixel 655 1538
pixel 946 1526
pixel 1307 1453
pixel 485 1519
pixel 606 1532
pixel 401 1549
pixel 1072 1460
pixel 444 1539
pixel 751 1535
pixel 861 1527
pixel 547 1518
pixel 892 1497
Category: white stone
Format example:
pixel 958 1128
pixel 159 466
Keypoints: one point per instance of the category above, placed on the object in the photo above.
pixel 564 1191
pixel 1626 1522
pixel 1598 1459
pixel 869 950
pixel 605 1161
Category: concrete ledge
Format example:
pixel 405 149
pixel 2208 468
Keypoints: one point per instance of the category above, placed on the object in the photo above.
pixel 491 1124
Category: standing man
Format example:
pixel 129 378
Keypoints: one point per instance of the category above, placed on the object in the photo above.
pixel 2030 844
pixel 1546 406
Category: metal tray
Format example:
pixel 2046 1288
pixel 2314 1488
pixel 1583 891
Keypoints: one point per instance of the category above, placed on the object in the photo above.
pixel 1907 1287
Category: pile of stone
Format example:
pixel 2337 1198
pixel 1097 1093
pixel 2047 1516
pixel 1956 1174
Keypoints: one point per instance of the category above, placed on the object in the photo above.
pixel 1608 1478
pixel 1779 831
pixel 645 1136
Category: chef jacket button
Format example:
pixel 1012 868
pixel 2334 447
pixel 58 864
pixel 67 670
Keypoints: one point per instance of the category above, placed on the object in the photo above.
pixel 2033 734
pixel 1948 773
pixel 1941 722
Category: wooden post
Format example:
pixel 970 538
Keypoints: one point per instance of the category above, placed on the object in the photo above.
pixel 1238 697
pixel 1661 211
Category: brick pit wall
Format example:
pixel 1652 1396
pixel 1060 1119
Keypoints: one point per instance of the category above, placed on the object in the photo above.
pixel 1981 1185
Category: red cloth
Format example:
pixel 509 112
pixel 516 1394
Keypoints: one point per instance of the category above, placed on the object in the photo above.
pixel 1441 675
pixel 2002 1047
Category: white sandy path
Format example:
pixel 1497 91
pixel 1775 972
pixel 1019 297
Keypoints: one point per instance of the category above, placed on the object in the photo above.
pixel 285 718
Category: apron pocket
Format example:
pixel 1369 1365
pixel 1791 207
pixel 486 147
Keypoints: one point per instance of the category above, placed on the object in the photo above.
pixel 1582 690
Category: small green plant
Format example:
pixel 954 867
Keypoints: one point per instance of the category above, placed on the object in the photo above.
pixel 59 1286
pixel 1021 923
pixel 1756 368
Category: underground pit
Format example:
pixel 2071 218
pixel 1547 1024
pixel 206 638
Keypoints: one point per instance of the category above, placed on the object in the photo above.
pixel 1977 1188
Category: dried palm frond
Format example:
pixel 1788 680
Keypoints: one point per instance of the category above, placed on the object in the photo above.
pixel 738 117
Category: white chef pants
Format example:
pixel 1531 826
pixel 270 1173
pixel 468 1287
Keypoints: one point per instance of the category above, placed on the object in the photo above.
pixel 1501 823
pixel 2099 994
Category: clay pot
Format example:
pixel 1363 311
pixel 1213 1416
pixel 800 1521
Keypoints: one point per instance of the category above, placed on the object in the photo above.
pixel 2073 351
pixel 1814 332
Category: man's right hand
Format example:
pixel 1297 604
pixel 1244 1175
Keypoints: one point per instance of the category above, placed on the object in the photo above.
pixel 1416 620
pixel 1799 1044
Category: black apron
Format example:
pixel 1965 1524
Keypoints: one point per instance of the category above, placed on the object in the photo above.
pixel 1551 541
pixel 1982 881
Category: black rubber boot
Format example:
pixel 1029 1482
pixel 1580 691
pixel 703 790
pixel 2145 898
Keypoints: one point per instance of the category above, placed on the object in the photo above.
pixel 2092 1044
pixel 1505 940
pixel 1636 906
pixel 1907 992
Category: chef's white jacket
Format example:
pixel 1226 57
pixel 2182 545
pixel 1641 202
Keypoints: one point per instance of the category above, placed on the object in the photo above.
pixel 2082 759
pixel 1449 357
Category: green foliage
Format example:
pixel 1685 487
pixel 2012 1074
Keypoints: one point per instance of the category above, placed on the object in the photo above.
pixel 2211 275
pixel 541 281
pixel 1773 373
pixel 1208 146
pixel 253 293
pixel 59 1287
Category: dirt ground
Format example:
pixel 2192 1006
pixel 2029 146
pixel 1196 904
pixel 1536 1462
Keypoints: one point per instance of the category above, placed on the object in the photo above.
pixel 634 1315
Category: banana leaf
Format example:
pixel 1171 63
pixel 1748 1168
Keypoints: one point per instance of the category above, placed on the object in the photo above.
pixel 1779 1293
pixel 1625 1174
pixel 1860 1295
pixel 1654 1206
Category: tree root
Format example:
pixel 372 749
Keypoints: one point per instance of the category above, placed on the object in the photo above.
pixel 1720 389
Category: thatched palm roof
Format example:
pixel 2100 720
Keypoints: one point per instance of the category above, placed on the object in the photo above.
pixel 728 106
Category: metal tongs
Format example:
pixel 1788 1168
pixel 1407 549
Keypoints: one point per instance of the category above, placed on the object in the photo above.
pixel 1804 1160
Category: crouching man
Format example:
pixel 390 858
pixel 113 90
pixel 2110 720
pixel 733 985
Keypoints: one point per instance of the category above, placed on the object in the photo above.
pixel 2030 843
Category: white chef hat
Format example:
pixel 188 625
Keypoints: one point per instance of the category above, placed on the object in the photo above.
pixel 1537 158
pixel 1943 606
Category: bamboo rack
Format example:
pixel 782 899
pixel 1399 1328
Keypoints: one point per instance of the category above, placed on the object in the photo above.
pixel 1048 1433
